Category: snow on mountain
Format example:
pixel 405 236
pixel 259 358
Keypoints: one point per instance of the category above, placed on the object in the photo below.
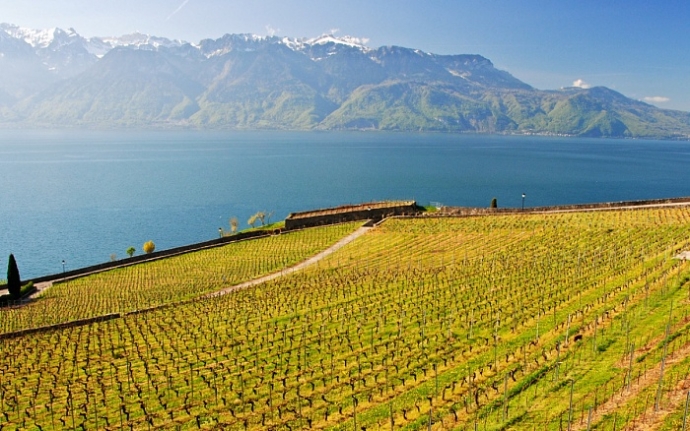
pixel 140 40
pixel 50 43
pixel 351 41
pixel 35 38
pixel 55 38
pixel 11 44
pixel 232 42
pixel 51 38
pixel 98 47
pixel 300 44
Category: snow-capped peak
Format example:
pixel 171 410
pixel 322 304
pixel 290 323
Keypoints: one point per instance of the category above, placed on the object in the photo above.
pixel 54 39
pixel 299 44
pixel 231 42
pixel 292 43
pixel 38 38
pixel 324 39
pixel 137 39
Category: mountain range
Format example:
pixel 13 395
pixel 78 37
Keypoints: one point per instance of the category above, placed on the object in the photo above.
pixel 57 78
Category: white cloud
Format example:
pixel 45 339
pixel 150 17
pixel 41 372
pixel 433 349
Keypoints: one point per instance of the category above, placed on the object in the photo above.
pixel 334 31
pixel 580 84
pixel 179 8
pixel 656 99
pixel 271 31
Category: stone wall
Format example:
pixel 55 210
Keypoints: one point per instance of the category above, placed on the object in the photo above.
pixel 350 213
pixel 469 211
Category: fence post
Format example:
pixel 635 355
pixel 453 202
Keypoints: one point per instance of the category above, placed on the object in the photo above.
pixel 663 362
pixel 589 419
pixel 630 365
pixel 570 408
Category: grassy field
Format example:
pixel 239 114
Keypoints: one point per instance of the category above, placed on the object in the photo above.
pixel 550 321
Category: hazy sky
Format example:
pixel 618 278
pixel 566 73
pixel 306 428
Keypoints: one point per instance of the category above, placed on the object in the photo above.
pixel 640 48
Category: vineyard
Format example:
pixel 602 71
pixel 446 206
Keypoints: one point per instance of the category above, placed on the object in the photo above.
pixel 172 279
pixel 567 321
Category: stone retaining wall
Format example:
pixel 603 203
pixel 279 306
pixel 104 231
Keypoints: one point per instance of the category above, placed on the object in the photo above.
pixel 373 211
pixel 468 211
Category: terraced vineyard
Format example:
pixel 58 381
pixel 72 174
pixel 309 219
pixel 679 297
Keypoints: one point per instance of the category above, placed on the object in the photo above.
pixel 545 321
pixel 173 279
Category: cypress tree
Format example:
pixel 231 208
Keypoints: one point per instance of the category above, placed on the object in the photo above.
pixel 14 283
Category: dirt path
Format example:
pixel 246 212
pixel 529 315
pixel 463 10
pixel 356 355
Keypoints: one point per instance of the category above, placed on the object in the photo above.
pixel 43 286
pixel 649 419
pixel 672 401
pixel 300 266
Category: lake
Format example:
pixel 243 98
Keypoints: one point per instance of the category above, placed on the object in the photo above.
pixel 82 196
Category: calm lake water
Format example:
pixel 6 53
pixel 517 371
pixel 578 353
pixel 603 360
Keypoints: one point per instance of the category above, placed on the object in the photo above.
pixel 82 196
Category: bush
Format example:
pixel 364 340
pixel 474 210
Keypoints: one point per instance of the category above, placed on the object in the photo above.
pixel 149 247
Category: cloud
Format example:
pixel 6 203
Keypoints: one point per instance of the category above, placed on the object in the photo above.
pixel 271 31
pixel 334 31
pixel 580 84
pixel 179 8
pixel 656 99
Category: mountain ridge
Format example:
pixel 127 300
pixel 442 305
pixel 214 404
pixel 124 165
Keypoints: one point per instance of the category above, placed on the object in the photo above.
pixel 57 78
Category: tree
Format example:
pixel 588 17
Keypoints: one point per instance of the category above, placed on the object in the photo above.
pixel 262 217
pixel 233 224
pixel 14 282
pixel 149 247
pixel 494 203
pixel 252 220
pixel 131 251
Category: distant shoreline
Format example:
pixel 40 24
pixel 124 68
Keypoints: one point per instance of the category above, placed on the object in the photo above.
pixel 192 128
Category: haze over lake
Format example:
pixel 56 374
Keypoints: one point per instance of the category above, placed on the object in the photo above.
pixel 82 196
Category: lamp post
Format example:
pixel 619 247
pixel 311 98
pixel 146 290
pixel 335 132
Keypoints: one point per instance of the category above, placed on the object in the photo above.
pixel 523 201
pixel 63 269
